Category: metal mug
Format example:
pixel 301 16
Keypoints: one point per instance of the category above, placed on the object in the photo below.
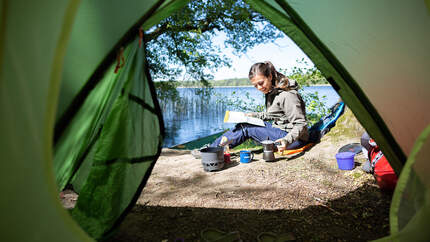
pixel 246 156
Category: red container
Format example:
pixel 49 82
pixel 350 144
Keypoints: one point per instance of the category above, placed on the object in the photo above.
pixel 227 158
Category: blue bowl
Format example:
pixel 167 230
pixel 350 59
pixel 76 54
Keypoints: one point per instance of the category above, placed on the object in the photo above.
pixel 345 160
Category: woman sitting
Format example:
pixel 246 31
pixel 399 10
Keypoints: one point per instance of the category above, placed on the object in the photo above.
pixel 285 110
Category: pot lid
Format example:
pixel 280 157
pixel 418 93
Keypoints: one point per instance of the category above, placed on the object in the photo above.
pixel 267 142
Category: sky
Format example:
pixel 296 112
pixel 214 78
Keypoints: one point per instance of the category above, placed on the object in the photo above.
pixel 283 54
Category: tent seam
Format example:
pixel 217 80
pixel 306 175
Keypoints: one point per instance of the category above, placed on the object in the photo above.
pixel 134 160
pixel 141 103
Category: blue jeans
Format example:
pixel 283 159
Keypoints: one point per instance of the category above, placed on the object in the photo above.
pixel 243 131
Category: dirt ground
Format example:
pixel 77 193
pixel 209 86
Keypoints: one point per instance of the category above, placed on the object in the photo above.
pixel 305 196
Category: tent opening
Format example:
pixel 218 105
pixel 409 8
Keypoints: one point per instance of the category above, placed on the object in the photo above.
pixel 195 56
pixel 78 106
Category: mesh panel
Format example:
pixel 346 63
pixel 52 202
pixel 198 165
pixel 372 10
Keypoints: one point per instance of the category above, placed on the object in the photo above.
pixel 117 134
pixel 410 208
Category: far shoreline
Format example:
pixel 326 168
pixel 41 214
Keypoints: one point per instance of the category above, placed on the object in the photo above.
pixel 315 85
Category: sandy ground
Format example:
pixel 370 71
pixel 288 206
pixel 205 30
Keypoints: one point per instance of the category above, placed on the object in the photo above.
pixel 296 182
pixel 305 196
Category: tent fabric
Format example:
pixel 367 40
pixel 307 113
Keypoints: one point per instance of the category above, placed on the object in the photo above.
pixel 75 125
pixel 410 207
pixel 32 49
pixel 374 53
pixel 31 64
pixel 112 135
pixel 371 46
pixel 79 137
pixel 128 146
pixel 370 51
pixel 95 31
pixel 285 16
pixel 95 34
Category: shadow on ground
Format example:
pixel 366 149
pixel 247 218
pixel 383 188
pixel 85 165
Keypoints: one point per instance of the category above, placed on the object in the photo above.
pixel 361 215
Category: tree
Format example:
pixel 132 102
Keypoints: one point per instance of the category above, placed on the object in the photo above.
pixel 182 44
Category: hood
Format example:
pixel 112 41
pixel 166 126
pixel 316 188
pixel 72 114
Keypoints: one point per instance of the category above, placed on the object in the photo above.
pixel 288 84
pixel 285 85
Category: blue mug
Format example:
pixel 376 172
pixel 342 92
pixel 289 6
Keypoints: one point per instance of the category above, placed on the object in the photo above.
pixel 246 156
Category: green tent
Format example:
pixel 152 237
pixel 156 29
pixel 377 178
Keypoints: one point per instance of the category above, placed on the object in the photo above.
pixel 77 104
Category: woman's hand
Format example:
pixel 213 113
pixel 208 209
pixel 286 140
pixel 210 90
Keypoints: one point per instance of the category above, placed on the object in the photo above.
pixel 250 114
pixel 281 144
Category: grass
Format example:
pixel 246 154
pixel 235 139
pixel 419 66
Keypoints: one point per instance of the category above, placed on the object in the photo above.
pixel 247 145
pixel 346 126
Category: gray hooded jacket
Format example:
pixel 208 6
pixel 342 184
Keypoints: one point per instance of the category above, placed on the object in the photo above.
pixel 286 109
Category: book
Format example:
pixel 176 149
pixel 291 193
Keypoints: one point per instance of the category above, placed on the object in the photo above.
pixel 240 117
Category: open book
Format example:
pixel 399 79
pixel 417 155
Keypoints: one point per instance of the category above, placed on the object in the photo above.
pixel 239 117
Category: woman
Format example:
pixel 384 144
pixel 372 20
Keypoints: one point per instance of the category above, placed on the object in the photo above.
pixel 284 108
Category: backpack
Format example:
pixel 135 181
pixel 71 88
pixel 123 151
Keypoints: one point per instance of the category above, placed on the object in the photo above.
pixel 381 169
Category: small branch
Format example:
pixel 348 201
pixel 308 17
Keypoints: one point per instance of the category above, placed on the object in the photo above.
pixel 329 208
pixel 203 26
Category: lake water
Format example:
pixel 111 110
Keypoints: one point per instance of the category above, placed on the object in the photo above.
pixel 196 116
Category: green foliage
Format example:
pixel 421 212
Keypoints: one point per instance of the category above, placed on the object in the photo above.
pixel 305 74
pixel 190 84
pixel 346 126
pixel 235 82
pixel 315 108
pixel 167 91
pixel 247 104
pixel 182 47
pixel 247 145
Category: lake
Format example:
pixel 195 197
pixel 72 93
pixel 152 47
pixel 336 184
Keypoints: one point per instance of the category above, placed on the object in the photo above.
pixel 196 116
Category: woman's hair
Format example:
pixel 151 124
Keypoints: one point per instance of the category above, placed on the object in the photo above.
pixel 267 69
